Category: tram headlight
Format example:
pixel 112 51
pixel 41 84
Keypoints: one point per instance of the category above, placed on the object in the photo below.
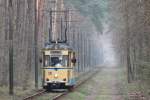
pixel 56 76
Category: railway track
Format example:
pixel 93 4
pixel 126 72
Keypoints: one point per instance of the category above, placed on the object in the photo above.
pixel 56 96
pixel 76 86
pixel 39 92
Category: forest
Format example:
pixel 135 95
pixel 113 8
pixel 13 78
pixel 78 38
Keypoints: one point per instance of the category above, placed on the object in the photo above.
pixel 27 30
pixel 24 28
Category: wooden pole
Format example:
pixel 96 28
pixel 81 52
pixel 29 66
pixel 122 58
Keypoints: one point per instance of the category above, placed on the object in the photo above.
pixel 11 75
pixel 35 45
pixel 51 27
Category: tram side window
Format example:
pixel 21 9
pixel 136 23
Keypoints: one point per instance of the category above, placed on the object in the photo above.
pixel 65 61
pixel 47 61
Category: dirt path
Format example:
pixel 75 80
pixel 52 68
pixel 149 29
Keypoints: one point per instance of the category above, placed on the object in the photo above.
pixel 106 85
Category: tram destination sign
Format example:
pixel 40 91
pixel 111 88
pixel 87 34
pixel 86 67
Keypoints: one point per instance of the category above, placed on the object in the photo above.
pixel 56 52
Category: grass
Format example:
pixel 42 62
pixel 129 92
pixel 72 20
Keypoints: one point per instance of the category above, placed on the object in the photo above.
pixel 77 96
pixel 104 97
pixel 4 93
pixel 19 93
pixel 85 90
pixel 136 86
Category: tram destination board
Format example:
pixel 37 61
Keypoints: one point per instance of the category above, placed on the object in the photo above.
pixel 55 52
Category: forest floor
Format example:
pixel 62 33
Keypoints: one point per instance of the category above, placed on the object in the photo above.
pixel 109 84
pixel 19 93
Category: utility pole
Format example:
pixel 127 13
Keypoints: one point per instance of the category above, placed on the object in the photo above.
pixel 81 50
pixel 51 26
pixel 78 51
pixel 90 65
pixel 55 34
pixel 11 76
pixel 35 45
pixel 84 46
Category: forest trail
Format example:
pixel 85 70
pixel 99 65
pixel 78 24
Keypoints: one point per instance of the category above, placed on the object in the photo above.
pixel 105 85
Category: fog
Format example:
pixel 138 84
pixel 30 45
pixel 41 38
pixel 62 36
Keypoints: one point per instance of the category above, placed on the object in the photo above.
pixel 108 47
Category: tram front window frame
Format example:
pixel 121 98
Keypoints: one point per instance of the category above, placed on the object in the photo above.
pixel 56 60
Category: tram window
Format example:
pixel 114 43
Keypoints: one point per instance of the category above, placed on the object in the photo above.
pixel 47 61
pixel 65 61
pixel 59 61
pixel 54 61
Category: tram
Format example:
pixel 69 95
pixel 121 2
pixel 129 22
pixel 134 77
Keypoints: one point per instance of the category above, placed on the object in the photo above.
pixel 59 64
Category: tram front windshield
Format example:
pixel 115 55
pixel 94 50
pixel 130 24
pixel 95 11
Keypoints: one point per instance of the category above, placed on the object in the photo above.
pixel 56 61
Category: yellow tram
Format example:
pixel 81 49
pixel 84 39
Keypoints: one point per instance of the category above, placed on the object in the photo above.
pixel 58 67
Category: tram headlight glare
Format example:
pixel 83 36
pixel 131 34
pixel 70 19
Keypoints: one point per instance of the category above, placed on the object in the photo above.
pixel 56 75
